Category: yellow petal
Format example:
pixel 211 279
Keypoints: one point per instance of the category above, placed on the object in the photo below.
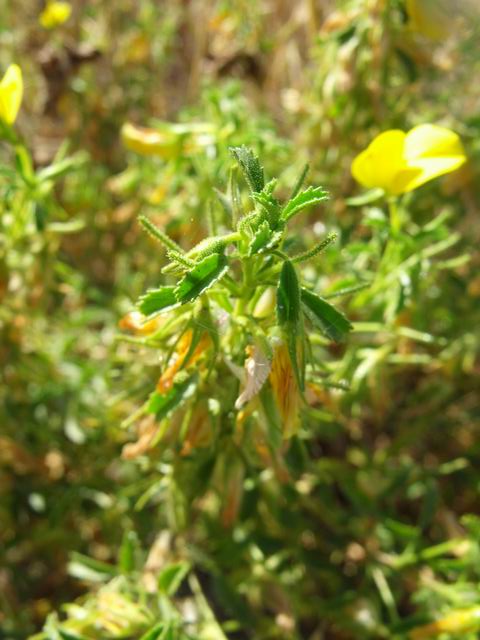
pixel 381 162
pixel 55 14
pixel 430 140
pixel 432 168
pixel 434 151
pixel 11 93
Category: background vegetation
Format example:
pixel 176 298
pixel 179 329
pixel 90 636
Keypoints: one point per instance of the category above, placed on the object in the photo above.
pixel 118 525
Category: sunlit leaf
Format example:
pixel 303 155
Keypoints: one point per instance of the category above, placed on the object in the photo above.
pixel 324 315
pixel 251 167
pixel 307 198
pixel 157 300
pixel 205 274
pixel 172 576
pixel 161 404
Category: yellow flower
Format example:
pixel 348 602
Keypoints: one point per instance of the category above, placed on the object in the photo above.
pixel 11 93
pixel 399 162
pixel 150 142
pixel 55 14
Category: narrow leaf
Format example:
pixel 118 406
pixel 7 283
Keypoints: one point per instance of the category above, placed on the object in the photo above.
pixel 225 202
pixel 290 319
pixel 157 300
pixel 311 253
pixel 161 404
pixel 172 576
pixel 269 204
pixel 156 233
pixel 288 296
pixel 250 166
pixel 300 181
pixel 324 315
pixel 372 195
pixel 260 239
pixel 201 277
pixel 128 549
pixel 155 632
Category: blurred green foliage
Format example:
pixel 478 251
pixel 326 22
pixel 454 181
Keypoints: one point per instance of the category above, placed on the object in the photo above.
pixel 363 525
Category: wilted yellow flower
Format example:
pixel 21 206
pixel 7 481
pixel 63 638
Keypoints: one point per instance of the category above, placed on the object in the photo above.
pixel 199 431
pixel 232 489
pixel 171 140
pixel 11 93
pixel 149 142
pixel 430 18
pixel 147 430
pixel 137 323
pixel 178 359
pixel 285 390
pixel 399 162
pixel 55 14
pixel 257 369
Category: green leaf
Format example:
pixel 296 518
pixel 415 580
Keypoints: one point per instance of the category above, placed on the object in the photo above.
pixel 324 315
pixel 251 167
pixel 272 417
pixel 156 233
pixel 207 246
pixel 225 202
pixel 70 226
pixel 85 568
pixel 264 239
pixel 201 323
pixel 172 576
pixel 270 205
pixel 155 633
pixel 307 198
pixel 289 317
pixel 300 180
pixel 205 274
pixel 311 253
pixel 24 165
pixel 161 404
pixel 260 239
pixel 163 631
pixel 40 214
pixel 66 634
pixel 288 296
pixel 372 195
pixel 130 545
pixel 62 167
pixel 157 300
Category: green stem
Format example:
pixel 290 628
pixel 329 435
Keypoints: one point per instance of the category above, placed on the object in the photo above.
pixel 8 133
pixel 395 216
pixel 246 291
